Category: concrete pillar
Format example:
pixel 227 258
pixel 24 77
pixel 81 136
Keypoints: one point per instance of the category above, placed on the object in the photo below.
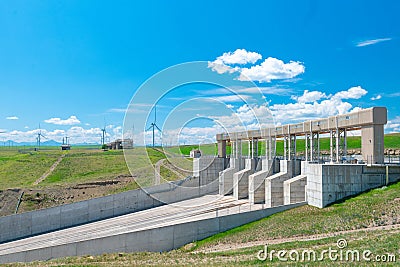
pixel 254 148
pixel 284 147
pixel 269 154
pixel 314 146
pixel 292 147
pixel 238 149
pixel 345 142
pixel 222 149
pixel 331 137
pixel 372 144
pixel 249 149
pixel 236 164
pixel 241 179
pixel 337 145
pixel 306 145
pixel 318 147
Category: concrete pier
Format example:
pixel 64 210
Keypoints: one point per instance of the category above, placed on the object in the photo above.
pixel 226 176
pixel 274 183
pixel 241 179
pixel 257 182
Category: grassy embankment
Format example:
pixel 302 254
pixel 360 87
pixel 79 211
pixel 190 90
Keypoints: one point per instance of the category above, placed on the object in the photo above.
pixel 21 170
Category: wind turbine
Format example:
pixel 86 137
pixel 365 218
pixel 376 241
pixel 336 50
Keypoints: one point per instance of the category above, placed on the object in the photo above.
pixel 39 136
pixel 103 134
pixel 153 125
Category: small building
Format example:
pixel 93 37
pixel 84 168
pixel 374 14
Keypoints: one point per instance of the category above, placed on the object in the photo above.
pixel 120 144
pixel 65 144
pixel 195 153
pixel 65 147
pixel 127 143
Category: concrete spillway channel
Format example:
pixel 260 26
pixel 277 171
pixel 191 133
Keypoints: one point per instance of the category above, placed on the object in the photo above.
pixel 157 229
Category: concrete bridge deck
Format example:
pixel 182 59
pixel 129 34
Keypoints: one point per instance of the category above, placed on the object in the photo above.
pixel 209 206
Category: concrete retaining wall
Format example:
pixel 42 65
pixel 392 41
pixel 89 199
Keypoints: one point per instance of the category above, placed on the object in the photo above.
pixel 46 220
pixel 328 183
pixel 158 239
pixel 207 169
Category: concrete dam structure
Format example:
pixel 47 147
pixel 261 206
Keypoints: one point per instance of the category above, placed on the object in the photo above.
pixel 224 192
pixel 312 178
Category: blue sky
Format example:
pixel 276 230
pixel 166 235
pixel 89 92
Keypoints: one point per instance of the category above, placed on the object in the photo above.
pixel 74 65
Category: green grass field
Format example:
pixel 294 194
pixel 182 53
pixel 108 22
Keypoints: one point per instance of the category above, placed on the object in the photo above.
pixel 21 170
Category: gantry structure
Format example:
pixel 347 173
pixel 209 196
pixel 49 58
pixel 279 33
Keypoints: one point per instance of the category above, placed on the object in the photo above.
pixel 369 121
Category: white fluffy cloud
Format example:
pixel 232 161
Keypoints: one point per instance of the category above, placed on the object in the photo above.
pixel 270 69
pixel 12 118
pixel 309 96
pixel 353 93
pixel 76 134
pixel 393 125
pixel 240 56
pixel 376 97
pixel 308 107
pixel 58 121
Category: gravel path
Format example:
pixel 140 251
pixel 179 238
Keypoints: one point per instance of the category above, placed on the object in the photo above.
pixel 46 174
